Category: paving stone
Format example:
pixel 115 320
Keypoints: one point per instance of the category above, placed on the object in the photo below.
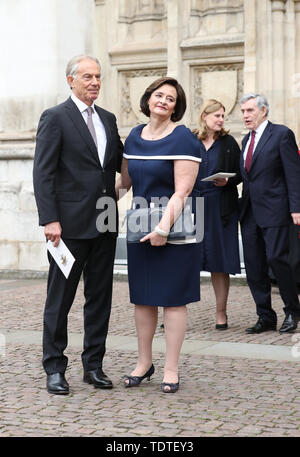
pixel 219 396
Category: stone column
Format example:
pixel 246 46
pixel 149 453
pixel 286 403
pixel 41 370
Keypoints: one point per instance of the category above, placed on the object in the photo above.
pixel 104 35
pixel 278 60
pixel 250 47
pixel 174 15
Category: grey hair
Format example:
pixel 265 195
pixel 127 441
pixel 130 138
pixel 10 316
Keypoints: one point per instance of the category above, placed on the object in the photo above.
pixel 261 101
pixel 72 65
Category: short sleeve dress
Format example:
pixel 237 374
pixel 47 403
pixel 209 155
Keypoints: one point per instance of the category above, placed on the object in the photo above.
pixel 161 275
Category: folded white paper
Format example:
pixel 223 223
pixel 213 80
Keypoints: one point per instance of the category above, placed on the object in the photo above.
pixel 218 175
pixel 62 256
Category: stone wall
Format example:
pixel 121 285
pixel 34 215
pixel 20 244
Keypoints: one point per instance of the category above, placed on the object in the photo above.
pixel 21 238
pixel 37 38
pixel 216 48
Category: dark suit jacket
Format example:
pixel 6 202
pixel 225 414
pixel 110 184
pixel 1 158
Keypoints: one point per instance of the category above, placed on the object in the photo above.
pixel 273 183
pixel 67 175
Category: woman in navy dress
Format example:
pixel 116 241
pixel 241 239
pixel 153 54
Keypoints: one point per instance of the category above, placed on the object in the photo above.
pixel 219 250
pixel 161 159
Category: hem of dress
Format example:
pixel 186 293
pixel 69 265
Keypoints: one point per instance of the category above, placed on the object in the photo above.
pixel 167 306
pixel 226 272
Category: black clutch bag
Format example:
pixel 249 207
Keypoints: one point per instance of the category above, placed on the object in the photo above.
pixel 142 221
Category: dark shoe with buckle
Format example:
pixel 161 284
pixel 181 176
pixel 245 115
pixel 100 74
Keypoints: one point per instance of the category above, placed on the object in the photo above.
pixel 261 326
pixel 57 384
pixel 289 324
pixel 98 378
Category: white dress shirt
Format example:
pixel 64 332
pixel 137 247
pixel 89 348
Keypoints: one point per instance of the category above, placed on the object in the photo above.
pixel 258 133
pixel 99 127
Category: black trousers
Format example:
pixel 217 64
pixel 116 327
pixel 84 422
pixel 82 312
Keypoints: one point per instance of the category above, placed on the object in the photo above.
pixel 264 248
pixel 95 259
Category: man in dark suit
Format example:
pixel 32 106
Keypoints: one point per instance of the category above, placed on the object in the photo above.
pixel 78 151
pixel 270 166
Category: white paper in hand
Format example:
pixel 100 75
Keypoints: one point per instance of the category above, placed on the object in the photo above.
pixel 62 256
pixel 218 175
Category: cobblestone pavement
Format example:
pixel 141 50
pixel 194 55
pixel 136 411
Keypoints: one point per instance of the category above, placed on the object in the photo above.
pixel 232 384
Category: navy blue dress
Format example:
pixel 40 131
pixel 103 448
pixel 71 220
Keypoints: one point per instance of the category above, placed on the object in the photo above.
pixel 219 250
pixel 161 275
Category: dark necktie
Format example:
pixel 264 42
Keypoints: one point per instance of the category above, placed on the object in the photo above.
pixel 91 125
pixel 250 152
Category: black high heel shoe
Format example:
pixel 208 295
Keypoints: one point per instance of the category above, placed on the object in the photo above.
pixel 222 326
pixel 136 380
pixel 173 387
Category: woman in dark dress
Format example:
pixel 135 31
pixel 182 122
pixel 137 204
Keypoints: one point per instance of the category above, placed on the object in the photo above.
pixel 161 159
pixel 219 250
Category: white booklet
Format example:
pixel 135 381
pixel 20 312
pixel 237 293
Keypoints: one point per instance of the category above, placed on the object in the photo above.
pixel 218 175
pixel 62 256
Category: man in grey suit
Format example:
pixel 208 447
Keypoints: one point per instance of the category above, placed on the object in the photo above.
pixel 78 151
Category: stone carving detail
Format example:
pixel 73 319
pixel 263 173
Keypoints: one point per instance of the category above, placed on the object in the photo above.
pixel 218 16
pixel 141 10
pixel 223 82
pixel 132 86
pixel 203 6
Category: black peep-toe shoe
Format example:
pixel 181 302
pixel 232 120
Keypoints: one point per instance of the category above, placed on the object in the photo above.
pixel 173 387
pixel 136 380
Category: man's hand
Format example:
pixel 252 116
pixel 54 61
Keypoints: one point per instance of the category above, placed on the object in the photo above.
pixel 53 232
pixel 296 218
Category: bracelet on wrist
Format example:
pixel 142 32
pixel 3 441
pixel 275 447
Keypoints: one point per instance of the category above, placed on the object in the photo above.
pixel 160 231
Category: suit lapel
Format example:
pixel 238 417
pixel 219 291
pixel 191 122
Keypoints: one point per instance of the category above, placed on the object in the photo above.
pixel 260 145
pixel 108 133
pixel 81 127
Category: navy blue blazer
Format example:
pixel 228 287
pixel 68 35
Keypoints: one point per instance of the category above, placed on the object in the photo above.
pixel 67 175
pixel 273 183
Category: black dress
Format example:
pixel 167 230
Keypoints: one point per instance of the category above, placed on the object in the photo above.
pixel 219 250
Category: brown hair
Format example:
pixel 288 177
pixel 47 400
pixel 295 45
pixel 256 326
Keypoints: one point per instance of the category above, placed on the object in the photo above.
pixel 209 106
pixel 180 106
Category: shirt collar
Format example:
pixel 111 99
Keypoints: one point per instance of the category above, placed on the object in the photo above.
pixel 80 104
pixel 261 127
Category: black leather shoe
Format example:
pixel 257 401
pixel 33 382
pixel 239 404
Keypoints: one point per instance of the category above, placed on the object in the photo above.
pixel 57 384
pixel 222 326
pixel 261 326
pixel 289 324
pixel 98 378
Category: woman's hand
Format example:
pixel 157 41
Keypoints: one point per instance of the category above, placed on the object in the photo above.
pixel 219 182
pixel 155 239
